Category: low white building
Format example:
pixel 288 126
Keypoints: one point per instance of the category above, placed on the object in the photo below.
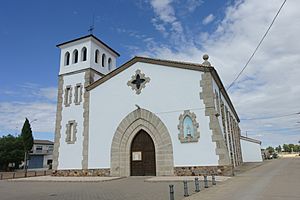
pixel 145 117
pixel 251 150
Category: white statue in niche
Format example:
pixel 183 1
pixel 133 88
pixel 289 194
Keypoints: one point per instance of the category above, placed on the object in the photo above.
pixel 188 127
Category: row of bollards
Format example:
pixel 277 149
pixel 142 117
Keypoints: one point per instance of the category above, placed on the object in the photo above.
pixel 197 186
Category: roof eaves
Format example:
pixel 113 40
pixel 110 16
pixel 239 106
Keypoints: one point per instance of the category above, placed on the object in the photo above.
pixel 92 36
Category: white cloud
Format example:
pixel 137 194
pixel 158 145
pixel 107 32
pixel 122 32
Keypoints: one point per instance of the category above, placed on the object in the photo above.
pixel 38 103
pixel 270 85
pixel 165 20
pixel 164 10
pixel 191 5
pixel 208 19
pixel 13 115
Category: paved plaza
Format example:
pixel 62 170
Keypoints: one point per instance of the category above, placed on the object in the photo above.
pixel 276 179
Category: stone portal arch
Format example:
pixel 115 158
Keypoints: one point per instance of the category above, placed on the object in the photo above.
pixel 127 129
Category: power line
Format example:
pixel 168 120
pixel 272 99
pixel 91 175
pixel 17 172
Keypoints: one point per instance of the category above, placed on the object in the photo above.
pixel 173 111
pixel 273 117
pixel 276 129
pixel 257 46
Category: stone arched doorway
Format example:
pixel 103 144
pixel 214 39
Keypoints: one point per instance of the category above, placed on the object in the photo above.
pixel 142 155
pixel 129 127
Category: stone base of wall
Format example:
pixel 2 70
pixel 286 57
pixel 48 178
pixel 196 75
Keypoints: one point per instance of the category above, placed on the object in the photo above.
pixel 222 170
pixel 82 172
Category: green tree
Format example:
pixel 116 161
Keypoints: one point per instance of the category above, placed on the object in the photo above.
pixel 292 147
pixel 286 148
pixel 11 151
pixel 278 149
pixel 27 138
pixel 270 149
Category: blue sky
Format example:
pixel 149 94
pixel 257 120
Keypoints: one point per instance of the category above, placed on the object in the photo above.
pixel 171 29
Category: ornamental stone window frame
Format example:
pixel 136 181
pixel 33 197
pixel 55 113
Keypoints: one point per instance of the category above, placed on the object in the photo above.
pixel 68 95
pixel 133 86
pixel 69 132
pixel 188 139
pixel 78 94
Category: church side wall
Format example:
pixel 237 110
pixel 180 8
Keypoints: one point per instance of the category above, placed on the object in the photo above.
pixel 230 127
pixel 169 92
pixel 70 155
pixel 251 151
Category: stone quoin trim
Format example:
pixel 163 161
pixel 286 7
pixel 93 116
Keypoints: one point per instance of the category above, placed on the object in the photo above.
pixel 207 95
pixel 88 79
pixel 58 122
pixel 186 139
pixel 139 76
pixel 69 139
pixel 127 129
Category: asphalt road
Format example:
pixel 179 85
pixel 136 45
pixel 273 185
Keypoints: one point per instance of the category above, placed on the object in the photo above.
pixel 277 179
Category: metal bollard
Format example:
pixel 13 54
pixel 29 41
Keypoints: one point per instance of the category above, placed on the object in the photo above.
pixel 14 175
pixel 197 188
pixel 34 173
pixel 185 188
pixel 213 179
pixel 205 181
pixel 45 173
pixel 171 192
pixel 1 177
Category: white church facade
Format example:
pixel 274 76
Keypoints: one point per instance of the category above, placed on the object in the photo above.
pixel 146 117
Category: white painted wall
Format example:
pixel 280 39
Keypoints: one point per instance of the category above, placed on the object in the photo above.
pixel 102 50
pixel 170 89
pixel 70 155
pixel 251 152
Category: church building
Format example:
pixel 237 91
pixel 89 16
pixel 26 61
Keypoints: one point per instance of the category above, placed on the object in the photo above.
pixel 147 117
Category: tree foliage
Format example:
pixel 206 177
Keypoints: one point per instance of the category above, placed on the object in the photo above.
pixel 270 149
pixel 26 135
pixel 11 151
pixel 278 149
pixel 291 148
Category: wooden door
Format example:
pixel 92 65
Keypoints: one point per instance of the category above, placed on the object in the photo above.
pixel 142 155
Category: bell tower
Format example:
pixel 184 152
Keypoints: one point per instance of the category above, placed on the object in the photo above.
pixel 82 61
pixel 87 52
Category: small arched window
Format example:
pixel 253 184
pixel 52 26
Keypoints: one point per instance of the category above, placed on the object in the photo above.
pixel 109 64
pixel 75 56
pixel 83 54
pixel 67 58
pixel 97 56
pixel 103 60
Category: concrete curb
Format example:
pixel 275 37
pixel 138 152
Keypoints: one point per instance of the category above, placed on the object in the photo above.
pixel 64 179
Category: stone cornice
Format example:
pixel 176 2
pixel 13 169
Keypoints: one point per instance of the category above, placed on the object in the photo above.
pixel 250 139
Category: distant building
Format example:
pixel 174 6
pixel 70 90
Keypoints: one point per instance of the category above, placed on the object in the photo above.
pixel 251 149
pixel 41 155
